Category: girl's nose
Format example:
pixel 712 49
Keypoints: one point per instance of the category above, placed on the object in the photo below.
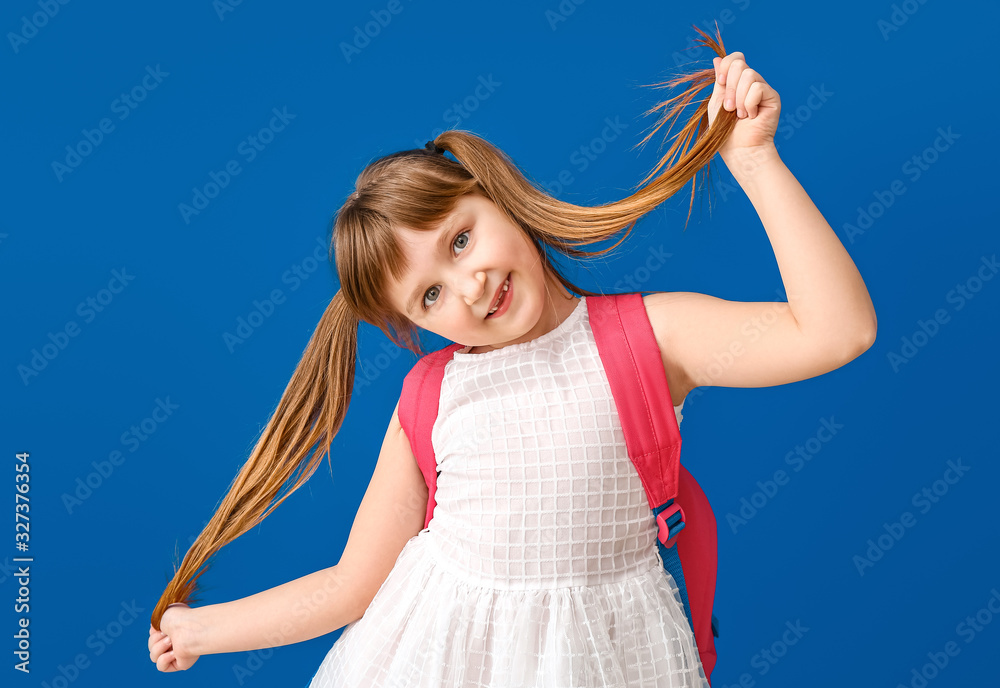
pixel 472 290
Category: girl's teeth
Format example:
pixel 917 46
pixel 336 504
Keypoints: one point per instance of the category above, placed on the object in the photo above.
pixel 506 284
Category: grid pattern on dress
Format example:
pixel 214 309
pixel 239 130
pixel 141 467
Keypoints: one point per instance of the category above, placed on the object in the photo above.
pixel 539 568
pixel 536 488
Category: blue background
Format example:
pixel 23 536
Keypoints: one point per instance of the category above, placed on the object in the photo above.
pixel 555 83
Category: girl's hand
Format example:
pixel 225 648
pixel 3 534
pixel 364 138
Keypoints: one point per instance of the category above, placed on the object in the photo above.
pixel 739 88
pixel 166 645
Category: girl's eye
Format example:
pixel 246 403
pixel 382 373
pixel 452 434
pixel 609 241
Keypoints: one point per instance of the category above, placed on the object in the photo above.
pixel 434 288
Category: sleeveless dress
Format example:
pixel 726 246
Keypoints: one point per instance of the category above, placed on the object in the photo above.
pixel 539 568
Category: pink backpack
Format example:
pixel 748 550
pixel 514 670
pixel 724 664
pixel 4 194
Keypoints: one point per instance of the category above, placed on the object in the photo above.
pixel 633 364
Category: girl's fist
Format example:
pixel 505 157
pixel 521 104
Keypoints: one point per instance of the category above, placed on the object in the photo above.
pixel 162 649
pixel 739 88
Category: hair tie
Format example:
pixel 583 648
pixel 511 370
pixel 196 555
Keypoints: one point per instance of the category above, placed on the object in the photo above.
pixel 433 147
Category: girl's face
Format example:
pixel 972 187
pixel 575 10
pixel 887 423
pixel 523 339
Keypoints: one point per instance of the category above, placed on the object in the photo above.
pixel 457 269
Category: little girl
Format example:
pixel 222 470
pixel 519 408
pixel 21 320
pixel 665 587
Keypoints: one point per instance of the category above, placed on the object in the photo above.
pixel 539 566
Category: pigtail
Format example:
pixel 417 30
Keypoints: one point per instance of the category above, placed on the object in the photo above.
pixel 309 414
pixel 704 141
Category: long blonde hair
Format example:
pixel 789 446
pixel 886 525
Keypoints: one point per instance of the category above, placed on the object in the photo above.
pixel 418 189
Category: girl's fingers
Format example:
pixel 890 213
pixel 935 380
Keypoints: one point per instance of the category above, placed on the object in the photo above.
pixel 724 63
pixel 736 67
pixel 747 78
pixel 718 91
pixel 165 662
pixel 155 637
pixel 740 88
pixel 755 93
pixel 157 649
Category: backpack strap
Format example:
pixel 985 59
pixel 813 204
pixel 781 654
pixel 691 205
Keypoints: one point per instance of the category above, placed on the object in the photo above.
pixel 418 409
pixel 634 366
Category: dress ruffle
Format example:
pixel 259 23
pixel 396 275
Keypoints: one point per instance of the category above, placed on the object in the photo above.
pixel 427 628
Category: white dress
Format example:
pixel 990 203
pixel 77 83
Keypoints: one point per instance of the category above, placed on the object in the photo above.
pixel 539 568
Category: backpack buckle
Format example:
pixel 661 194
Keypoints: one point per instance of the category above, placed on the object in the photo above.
pixel 666 534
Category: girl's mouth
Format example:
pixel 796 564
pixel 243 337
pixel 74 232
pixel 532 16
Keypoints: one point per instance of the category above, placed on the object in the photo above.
pixel 505 298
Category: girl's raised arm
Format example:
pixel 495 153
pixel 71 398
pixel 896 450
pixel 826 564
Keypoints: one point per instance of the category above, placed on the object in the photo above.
pixel 391 513
pixel 829 318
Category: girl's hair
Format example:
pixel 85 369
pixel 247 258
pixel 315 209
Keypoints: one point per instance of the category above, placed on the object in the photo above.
pixel 418 189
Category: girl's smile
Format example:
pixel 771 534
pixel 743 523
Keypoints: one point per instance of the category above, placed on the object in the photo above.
pixel 503 299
